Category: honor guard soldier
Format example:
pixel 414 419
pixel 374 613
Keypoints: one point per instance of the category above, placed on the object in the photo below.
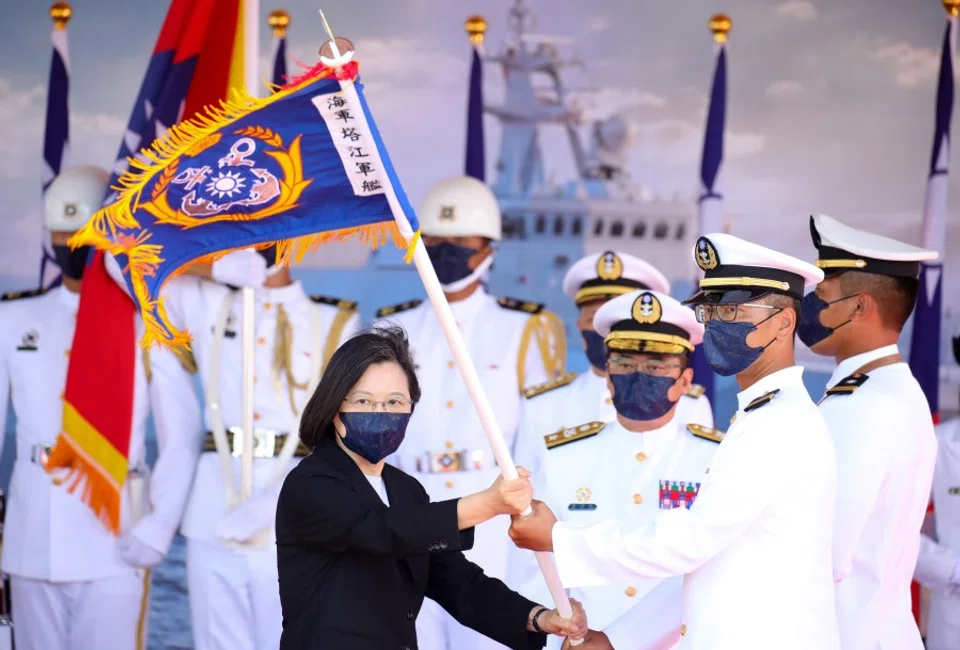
pixel 75 586
pixel 938 567
pixel 571 399
pixel 652 461
pixel 755 547
pixel 881 426
pixel 231 547
pixel 514 344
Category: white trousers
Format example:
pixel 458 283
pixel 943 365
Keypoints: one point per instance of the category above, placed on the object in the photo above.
pixel 106 614
pixel 438 630
pixel 234 597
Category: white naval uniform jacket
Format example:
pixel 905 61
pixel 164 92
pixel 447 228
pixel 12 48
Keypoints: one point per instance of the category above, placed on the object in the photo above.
pixel 940 552
pixel 643 475
pixel 50 534
pixel 585 399
pixel 445 420
pixel 886 449
pixel 755 548
pixel 197 304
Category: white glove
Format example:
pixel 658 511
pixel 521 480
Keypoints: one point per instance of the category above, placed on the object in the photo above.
pixel 243 268
pixel 138 553
pixel 248 518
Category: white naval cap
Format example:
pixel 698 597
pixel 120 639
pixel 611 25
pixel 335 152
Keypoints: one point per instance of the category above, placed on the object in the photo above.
pixel 604 275
pixel 648 321
pixel 739 271
pixel 842 248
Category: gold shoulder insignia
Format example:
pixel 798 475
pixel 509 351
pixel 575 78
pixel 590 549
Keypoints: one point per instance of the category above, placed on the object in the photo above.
pixel 847 385
pixel 763 400
pixel 706 433
pixel 565 436
pixel 520 305
pixel 340 303
pixel 396 309
pixel 696 391
pixel 17 295
pixel 548 386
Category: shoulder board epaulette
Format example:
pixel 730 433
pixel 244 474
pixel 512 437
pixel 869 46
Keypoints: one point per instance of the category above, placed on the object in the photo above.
pixel 396 309
pixel 848 385
pixel 520 305
pixel 696 390
pixel 707 433
pixel 548 386
pixel 340 303
pixel 763 400
pixel 573 434
pixel 17 295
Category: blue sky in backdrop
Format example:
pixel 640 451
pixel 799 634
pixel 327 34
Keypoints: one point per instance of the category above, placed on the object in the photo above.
pixel 830 102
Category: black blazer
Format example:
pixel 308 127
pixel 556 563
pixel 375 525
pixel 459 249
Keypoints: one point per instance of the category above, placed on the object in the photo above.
pixel 353 572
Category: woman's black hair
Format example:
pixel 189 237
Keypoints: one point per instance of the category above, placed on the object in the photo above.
pixel 346 366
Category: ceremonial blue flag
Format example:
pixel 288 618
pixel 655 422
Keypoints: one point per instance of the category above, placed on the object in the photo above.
pixel 711 201
pixel 925 339
pixel 56 132
pixel 475 164
pixel 280 61
pixel 296 169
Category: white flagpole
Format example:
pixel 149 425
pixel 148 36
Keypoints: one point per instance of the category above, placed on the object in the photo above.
pixel 458 346
pixel 251 65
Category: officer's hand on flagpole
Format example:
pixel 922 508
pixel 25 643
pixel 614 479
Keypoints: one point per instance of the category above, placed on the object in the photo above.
pixel 535 531
pixel 243 268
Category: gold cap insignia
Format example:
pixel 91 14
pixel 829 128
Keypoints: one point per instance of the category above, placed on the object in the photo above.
pixel 707 258
pixel 647 309
pixel 609 266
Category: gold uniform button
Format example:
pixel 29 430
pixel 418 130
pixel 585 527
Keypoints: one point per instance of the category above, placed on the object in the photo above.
pixel 449 404
pixel 641 456
pixel 609 400
pixel 256 416
pixel 683 629
pixel 261 341
pixel 267 306
pixel 449 444
pixel 631 592
pixel 638 498
pixel 450 364
pixel 66 353
pixel 61 397
pixel 449 484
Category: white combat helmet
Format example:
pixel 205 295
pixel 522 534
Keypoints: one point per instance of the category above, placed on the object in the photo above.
pixel 73 197
pixel 460 207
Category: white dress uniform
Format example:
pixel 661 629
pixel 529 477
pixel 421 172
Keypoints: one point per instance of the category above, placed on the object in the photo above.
pixel 644 474
pixel 886 449
pixel 66 568
pixel 572 399
pixel 938 567
pixel 234 598
pixel 755 547
pixel 445 447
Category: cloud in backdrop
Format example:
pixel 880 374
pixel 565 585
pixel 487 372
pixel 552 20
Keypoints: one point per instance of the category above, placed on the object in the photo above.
pixel 830 107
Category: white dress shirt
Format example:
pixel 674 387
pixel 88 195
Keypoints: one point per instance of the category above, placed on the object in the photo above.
pixel 755 548
pixel 886 449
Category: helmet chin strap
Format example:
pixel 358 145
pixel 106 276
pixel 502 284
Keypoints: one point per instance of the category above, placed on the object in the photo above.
pixel 477 274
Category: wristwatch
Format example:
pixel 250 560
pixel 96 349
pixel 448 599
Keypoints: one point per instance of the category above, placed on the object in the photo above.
pixel 534 623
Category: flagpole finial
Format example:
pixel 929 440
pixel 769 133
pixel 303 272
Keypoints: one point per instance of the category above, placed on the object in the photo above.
pixel 721 24
pixel 476 28
pixel 60 12
pixel 952 7
pixel 279 20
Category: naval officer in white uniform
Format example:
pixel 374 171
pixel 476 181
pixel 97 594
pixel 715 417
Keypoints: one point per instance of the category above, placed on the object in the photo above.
pixel 755 548
pixel 514 344
pixel 652 461
pixel 75 586
pixel 573 399
pixel 231 548
pixel 881 426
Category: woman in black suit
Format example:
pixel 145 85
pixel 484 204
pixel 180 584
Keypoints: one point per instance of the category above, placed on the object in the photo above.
pixel 359 545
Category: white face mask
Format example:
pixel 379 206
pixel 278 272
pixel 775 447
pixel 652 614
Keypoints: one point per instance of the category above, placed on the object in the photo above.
pixel 479 273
